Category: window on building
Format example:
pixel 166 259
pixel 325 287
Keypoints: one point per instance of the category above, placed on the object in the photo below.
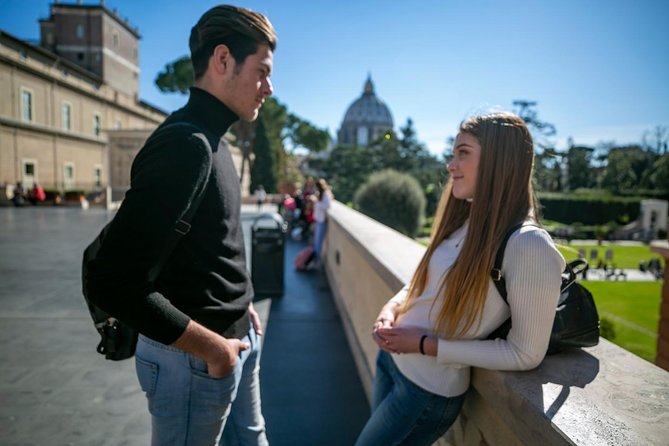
pixel 96 124
pixel 68 176
pixel 67 116
pixel 117 124
pixel 97 177
pixel 80 31
pixel 29 173
pixel 115 38
pixel 26 105
pixel 363 136
pixel 80 56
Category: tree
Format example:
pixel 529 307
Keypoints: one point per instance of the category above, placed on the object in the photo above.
pixel 658 174
pixel 305 135
pixel 280 125
pixel 429 170
pixel 262 170
pixel 541 130
pixel 349 166
pixel 176 77
pixel 656 140
pixel 578 167
pixel 548 169
pixel 548 172
pixel 625 168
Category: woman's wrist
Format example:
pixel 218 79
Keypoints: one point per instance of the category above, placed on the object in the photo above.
pixel 428 345
pixel 421 345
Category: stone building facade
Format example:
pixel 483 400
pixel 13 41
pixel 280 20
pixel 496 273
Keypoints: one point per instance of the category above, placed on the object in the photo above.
pixel 60 100
pixel 70 114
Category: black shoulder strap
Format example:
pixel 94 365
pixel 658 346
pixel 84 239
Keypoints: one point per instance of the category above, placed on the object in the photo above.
pixel 496 272
pixel 183 225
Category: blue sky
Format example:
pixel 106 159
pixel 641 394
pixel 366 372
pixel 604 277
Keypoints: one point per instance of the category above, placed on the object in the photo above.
pixel 599 70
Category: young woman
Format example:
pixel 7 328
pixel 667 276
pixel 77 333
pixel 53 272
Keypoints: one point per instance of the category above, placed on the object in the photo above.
pixel 435 329
pixel 320 215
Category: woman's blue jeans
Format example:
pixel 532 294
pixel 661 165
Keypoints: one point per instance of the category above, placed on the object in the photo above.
pixel 319 236
pixel 403 413
pixel 190 408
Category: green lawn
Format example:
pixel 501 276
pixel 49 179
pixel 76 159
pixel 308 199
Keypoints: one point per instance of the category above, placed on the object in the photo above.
pixel 634 310
pixel 623 256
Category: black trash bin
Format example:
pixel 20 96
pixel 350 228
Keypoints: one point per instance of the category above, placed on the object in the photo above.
pixel 268 234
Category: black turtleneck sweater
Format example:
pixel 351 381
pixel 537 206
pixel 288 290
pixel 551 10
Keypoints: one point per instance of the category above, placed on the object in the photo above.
pixel 205 278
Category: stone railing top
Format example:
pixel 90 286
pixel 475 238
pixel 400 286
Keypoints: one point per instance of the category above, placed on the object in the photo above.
pixel 393 255
pixel 602 395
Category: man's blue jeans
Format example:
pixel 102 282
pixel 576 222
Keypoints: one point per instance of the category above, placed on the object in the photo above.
pixel 190 408
pixel 403 413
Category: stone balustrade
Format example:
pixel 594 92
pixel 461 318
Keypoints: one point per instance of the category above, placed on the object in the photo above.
pixel 597 396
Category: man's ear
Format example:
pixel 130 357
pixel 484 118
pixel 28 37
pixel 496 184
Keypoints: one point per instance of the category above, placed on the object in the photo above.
pixel 221 60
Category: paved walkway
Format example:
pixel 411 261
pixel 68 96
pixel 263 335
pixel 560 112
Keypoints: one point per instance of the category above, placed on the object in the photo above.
pixel 54 388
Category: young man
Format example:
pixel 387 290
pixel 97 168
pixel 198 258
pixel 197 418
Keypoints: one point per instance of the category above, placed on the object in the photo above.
pixel 198 354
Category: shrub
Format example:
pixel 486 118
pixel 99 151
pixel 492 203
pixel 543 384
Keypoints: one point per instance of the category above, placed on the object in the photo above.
pixel 393 198
pixel 588 209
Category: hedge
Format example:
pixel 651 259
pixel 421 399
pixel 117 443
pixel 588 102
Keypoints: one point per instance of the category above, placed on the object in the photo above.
pixel 588 209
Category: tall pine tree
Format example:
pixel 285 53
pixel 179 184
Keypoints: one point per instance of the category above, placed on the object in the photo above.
pixel 263 170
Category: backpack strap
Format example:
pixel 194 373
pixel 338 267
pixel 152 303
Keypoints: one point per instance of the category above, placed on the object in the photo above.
pixel 183 225
pixel 496 272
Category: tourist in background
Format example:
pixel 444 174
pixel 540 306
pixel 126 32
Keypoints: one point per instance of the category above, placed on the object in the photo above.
pixel 433 330
pixel 261 196
pixel 19 196
pixel 320 216
pixel 37 194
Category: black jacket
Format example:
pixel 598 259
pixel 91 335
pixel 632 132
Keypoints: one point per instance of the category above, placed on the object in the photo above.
pixel 205 278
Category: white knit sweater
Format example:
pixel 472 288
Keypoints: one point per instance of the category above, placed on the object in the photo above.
pixel 531 267
pixel 321 208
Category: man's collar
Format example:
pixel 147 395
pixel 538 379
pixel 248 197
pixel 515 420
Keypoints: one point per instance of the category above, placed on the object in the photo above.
pixel 213 113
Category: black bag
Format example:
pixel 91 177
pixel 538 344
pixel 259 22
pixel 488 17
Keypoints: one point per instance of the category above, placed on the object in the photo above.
pixel 576 321
pixel 117 339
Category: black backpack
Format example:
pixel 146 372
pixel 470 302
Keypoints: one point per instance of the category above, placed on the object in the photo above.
pixel 117 339
pixel 576 321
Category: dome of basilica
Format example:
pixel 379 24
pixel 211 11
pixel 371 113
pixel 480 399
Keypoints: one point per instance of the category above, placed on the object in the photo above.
pixel 366 119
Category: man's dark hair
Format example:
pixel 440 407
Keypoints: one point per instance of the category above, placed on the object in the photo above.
pixel 240 29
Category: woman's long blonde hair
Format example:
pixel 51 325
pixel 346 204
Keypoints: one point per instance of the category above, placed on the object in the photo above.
pixel 503 198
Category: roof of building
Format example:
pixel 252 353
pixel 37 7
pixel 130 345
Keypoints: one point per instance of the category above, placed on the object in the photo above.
pixel 56 61
pixel 368 109
pixel 111 12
